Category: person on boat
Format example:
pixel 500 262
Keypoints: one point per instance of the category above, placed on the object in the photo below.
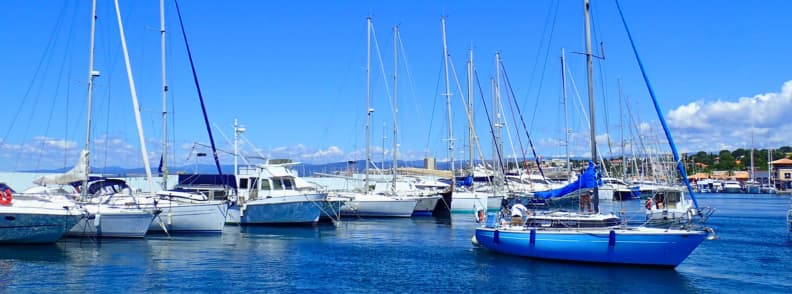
pixel 518 214
pixel 660 201
pixel 585 201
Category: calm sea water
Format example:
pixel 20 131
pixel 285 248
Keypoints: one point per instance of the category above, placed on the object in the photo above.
pixel 752 254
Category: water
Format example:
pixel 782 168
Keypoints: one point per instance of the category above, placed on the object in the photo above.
pixel 752 254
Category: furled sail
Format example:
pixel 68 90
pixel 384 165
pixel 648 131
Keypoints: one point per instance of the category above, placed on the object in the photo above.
pixel 78 173
pixel 587 180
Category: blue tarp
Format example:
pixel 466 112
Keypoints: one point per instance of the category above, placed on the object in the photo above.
pixel 587 180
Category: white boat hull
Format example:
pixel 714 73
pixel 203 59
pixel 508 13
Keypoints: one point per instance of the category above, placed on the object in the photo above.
pixel 178 217
pixel 113 222
pixel 378 206
pixel 425 205
pixel 472 201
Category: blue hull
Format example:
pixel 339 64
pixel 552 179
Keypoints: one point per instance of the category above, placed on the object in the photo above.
pixel 648 247
pixel 281 212
pixel 25 228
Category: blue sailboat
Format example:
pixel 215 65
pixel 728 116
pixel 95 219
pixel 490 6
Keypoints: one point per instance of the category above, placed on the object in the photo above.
pixel 596 237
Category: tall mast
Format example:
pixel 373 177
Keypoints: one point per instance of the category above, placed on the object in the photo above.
pixel 164 100
pixel 497 123
pixel 770 168
pixel 448 105
pixel 471 133
pixel 590 74
pixel 135 104
pixel 395 104
pixel 91 75
pixel 369 110
pixel 621 124
pixel 566 117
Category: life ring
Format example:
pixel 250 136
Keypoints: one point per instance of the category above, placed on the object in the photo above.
pixel 648 203
pixel 6 197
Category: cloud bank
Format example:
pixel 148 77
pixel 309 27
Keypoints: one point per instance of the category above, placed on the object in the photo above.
pixel 724 124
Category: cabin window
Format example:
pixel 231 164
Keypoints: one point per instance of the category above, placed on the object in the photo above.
pixel 265 185
pixel 276 184
pixel 243 183
pixel 287 183
pixel 219 195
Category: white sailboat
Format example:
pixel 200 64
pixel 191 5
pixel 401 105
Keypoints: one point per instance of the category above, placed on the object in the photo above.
pixel 366 203
pixel 183 211
pixel 107 218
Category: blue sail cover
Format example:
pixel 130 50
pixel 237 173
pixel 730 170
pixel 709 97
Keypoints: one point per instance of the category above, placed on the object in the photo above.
pixel 587 180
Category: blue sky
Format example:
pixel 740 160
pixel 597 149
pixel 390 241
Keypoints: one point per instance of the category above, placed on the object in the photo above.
pixel 293 73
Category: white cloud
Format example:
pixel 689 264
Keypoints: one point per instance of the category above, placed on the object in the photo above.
pixel 330 152
pixel 724 124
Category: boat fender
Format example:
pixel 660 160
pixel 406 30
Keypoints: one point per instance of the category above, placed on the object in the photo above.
pixel 496 237
pixel 612 239
pixel 6 197
pixel 97 220
pixel 648 203
pixel 474 241
pixel 711 234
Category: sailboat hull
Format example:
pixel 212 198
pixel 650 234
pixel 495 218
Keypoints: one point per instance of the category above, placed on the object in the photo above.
pixel 378 206
pixel 634 246
pixel 112 222
pixel 190 217
pixel 425 206
pixel 469 202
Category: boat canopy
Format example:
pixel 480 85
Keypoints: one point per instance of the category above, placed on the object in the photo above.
pixel 587 180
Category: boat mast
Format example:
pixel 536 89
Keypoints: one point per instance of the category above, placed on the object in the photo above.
pixel 590 74
pixel 91 75
pixel 164 100
pixel 753 172
pixel 497 124
pixel 471 133
pixel 237 130
pixel 395 105
pixel 621 124
pixel 770 168
pixel 369 110
pixel 566 116
pixel 448 105
pixel 135 104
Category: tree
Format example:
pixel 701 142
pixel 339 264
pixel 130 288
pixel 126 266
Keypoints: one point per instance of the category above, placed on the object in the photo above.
pixel 703 157
pixel 739 153
pixel 726 161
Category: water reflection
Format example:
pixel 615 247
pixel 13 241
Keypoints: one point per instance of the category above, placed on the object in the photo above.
pixel 33 252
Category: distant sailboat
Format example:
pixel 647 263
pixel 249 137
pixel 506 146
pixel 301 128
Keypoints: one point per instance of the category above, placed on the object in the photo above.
pixel 366 203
